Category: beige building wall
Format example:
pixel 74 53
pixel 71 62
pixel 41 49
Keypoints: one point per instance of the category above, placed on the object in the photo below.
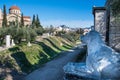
pixel 13 17
pixel 15 14
pixel 18 12
pixel 27 20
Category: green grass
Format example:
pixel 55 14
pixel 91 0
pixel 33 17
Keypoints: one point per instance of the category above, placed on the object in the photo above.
pixel 27 59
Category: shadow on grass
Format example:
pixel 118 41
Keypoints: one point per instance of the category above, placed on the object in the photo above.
pixel 47 49
pixel 43 58
pixel 23 62
pixel 21 59
pixel 67 44
pixel 67 47
pixel 14 49
pixel 53 44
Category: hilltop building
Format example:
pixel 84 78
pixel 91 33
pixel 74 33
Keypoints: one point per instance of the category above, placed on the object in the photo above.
pixel 13 15
pixel 62 28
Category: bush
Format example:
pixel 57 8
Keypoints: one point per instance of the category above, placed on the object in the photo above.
pixel 39 30
pixel 71 36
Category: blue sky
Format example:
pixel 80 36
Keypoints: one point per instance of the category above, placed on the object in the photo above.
pixel 73 13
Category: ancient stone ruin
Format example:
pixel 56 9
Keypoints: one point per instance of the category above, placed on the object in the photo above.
pixel 102 62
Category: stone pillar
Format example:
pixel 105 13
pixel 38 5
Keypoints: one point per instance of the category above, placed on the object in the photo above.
pixel 100 20
pixel 7 40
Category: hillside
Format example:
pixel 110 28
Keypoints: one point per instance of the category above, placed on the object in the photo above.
pixel 24 59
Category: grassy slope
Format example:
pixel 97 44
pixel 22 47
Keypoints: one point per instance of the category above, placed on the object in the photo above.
pixel 26 59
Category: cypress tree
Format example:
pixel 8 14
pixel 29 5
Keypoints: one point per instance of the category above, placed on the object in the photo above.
pixel 37 22
pixel 33 21
pixel 39 28
pixel 22 20
pixel 17 22
pixel 4 22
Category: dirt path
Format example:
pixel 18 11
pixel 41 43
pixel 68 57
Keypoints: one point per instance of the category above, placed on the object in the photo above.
pixel 53 70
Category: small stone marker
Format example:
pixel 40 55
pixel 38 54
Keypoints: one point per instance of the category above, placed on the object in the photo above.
pixel 12 43
pixel 29 44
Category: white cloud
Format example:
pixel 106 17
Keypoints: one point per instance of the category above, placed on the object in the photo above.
pixel 71 23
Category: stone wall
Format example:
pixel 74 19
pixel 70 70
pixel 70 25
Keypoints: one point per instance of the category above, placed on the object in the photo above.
pixel 114 27
pixel 100 20
pixel 114 33
pixel 107 25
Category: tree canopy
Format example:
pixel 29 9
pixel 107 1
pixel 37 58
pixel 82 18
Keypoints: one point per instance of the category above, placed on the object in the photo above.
pixel 33 21
pixel 36 25
pixel 22 20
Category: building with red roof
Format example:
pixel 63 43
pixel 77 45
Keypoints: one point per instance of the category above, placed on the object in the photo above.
pixel 15 13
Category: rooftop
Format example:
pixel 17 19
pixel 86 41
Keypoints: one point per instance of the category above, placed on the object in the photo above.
pixel 14 8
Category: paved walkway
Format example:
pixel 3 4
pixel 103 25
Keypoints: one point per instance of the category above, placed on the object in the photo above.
pixel 53 70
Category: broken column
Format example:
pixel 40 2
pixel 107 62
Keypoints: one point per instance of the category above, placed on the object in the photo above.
pixel 7 40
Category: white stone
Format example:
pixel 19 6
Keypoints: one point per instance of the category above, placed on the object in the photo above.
pixel 7 40
pixel 29 44
pixel 12 43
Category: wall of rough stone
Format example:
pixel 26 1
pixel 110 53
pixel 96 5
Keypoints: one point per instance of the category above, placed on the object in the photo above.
pixel 107 25
pixel 114 27
pixel 114 33
pixel 100 22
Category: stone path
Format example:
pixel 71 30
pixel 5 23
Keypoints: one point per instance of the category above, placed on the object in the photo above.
pixel 3 48
pixel 53 70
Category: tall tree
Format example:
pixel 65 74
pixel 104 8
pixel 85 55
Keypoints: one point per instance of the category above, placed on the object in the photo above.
pixel 4 22
pixel 17 22
pixel 38 22
pixel 33 21
pixel 80 31
pixel 39 28
pixel 22 20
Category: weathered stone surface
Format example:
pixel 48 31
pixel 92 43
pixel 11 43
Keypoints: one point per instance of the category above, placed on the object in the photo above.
pixel 102 62
pixel 114 31
pixel 100 22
